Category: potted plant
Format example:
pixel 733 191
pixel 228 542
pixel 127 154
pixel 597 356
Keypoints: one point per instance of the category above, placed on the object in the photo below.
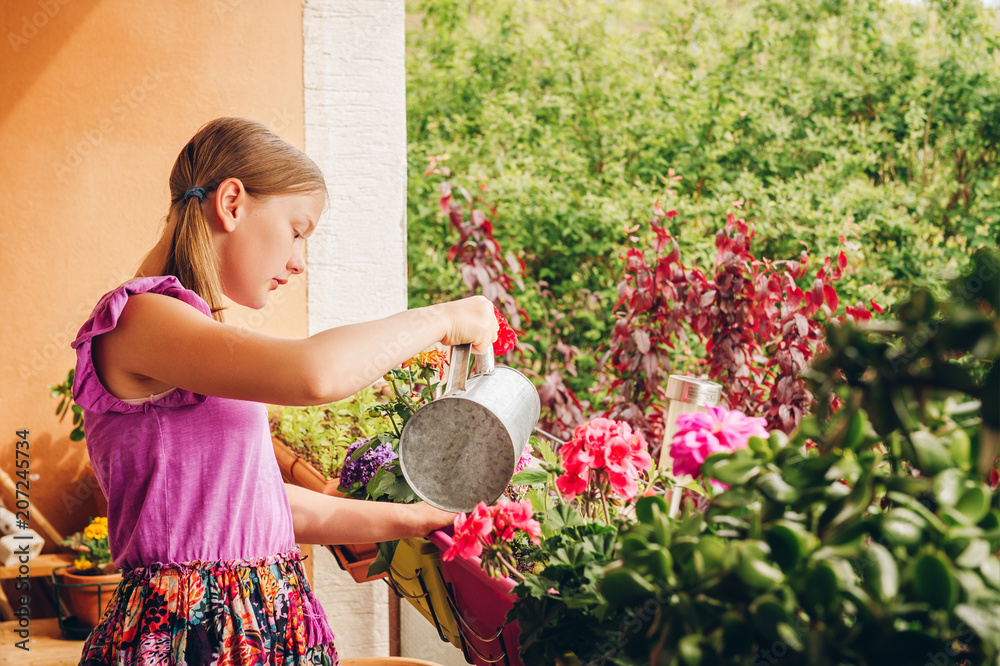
pixel 870 535
pixel 311 445
pixel 543 554
pixel 92 578
pixel 412 567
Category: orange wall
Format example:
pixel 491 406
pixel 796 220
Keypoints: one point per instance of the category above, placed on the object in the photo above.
pixel 97 97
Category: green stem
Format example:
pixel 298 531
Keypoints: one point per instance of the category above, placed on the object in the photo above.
pixel 511 569
pixel 405 399
pixel 603 490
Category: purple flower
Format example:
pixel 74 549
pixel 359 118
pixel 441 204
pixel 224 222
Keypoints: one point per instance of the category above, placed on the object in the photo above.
pixel 360 471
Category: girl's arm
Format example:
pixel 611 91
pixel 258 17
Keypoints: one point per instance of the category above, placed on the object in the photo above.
pixel 166 341
pixel 325 520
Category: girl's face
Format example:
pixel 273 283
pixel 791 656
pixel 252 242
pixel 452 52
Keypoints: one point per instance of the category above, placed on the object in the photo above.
pixel 266 246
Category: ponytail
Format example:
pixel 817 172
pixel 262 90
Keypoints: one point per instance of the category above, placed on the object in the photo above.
pixel 226 148
pixel 192 257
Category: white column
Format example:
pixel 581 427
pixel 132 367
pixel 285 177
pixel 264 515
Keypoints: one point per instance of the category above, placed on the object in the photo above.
pixel 355 130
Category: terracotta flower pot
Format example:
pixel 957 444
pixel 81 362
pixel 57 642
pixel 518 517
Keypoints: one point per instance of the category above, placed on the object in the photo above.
pixel 354 559
pixel 89 602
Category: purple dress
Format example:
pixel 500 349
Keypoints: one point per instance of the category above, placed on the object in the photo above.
pixel 199 522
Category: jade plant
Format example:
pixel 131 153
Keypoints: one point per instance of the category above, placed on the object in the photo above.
pixel 869 536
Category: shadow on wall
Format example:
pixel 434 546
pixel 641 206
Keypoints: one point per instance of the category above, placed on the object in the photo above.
pixel 34 32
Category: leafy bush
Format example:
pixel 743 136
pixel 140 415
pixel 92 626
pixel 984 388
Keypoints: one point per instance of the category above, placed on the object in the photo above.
pixel 827 119
pixel 868 536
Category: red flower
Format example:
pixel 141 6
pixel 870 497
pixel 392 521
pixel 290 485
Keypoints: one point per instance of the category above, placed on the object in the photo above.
pixel 487 526
pixel 611 450
pixel 506 338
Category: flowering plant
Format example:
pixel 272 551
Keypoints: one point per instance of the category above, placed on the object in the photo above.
pixel 361 465
pixel 94 548
pixel 603 463
pixel 506 337
pixel 490 531
pixel 718 430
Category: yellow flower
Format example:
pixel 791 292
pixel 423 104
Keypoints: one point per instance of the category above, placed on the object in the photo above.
pixel 95 531
pixel 82 563
pixel 434 358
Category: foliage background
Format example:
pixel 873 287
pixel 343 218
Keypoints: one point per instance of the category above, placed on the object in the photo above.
pixel 861 125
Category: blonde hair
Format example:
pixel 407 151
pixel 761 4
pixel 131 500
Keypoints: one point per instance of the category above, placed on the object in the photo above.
pixel 227 148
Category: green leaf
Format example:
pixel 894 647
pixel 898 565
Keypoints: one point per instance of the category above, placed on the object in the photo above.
pixel 734 498
pixel 932 456
pixel 774 487
pixel 755 571
pixel 934 583
pixel 974 503
pixel 854 434
pixel 735 472
pixel 531 476
pixel 562 516
pixel 650 509
pixel 879 573
pixel 984 621
pixel 974 555
pixel 790 544
pixel 624 587
pixel 821 586
pixel 690 650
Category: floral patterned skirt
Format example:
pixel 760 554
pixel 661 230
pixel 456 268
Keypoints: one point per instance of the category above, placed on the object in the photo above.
pixel 236 612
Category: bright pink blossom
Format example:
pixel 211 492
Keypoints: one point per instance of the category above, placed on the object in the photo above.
pixel 489 526
pixel 604 449
pixel 718 430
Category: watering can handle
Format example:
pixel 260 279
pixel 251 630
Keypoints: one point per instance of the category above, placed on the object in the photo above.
pixel 458 367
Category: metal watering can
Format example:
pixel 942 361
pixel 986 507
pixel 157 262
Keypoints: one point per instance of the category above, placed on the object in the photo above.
pixel 462 448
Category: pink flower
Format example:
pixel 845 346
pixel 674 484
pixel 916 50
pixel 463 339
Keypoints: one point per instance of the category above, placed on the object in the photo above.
pixel 486 525
pixel 611 451
pixel 701 434
pixel 571 485
pixel 465 546
pixel 479 522
pixel 509 517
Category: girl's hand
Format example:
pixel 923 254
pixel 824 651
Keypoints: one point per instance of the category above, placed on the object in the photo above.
pixel 470 320
pixel 430 518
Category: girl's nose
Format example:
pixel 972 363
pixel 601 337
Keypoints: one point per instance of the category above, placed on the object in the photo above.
pixel 297 263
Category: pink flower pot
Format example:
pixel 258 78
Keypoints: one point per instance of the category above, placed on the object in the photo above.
pixel 480 605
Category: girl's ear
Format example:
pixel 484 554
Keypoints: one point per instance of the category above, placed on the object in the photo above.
pixel 231 199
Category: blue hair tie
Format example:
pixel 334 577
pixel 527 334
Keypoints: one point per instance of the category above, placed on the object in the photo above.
pixel 198 192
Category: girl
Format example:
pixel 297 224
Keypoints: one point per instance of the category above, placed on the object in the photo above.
pixel 202 526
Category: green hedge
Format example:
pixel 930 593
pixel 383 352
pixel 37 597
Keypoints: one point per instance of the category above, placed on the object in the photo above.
pixel 823 117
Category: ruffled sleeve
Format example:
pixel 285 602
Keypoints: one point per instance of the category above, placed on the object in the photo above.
pixel 88 391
